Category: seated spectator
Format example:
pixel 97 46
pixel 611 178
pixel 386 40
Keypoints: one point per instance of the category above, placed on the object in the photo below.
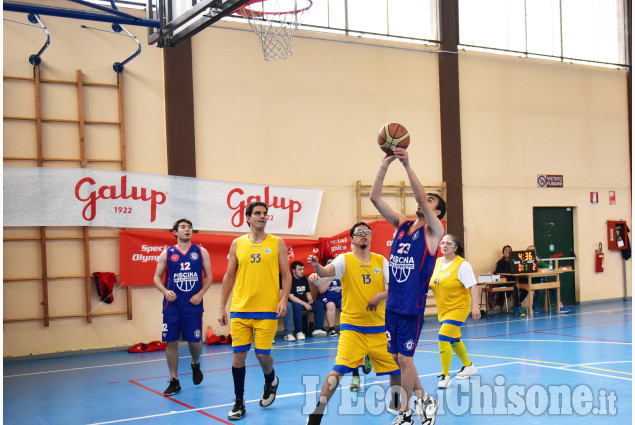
pixel 302 300
pixel 288 319
pixel 330 295
pixel 553 294
pixel 504 267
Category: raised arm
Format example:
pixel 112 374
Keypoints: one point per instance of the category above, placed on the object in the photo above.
pixel 321 271
pixel 228 283
pixel 435 226
pixel 390 215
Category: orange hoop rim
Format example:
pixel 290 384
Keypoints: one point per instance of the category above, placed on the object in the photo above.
pixel 258 14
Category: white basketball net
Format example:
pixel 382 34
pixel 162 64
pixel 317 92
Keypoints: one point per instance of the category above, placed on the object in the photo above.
pixel 275 21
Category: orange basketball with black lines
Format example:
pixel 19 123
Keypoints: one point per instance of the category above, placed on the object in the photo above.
pixel 391 136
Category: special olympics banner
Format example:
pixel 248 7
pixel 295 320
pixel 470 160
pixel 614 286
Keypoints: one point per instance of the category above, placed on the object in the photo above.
pixel 41 196
pixel 139 251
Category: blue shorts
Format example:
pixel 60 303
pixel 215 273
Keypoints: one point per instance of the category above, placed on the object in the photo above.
pixel 337 300
pixel 175 324
pixel 403 332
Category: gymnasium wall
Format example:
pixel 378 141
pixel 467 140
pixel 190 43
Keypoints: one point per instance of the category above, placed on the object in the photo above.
pixel 311 121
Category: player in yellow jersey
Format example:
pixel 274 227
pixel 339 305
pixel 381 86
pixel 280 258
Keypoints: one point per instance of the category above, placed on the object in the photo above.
pixel 256 262
pixel 364 276
pixel 452 283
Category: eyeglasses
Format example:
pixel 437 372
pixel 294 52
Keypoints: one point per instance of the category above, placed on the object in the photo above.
pixel 448 243
pixel 364 232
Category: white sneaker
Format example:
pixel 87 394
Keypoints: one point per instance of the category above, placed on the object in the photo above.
pixel 300 336
pixel 444 381
pixel 289 337
pixel 318 333
pixel 466 372
pixel 403 418
pixel 430 407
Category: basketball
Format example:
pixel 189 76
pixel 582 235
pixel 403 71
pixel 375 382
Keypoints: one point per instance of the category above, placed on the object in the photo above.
pixel 393 135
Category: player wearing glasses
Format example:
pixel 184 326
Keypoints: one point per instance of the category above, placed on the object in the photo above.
pixel 452 284
pixel 364 276
pixel 412 258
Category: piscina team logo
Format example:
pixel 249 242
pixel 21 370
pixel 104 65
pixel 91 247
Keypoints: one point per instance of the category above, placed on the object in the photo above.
pixel 194 256
pixel 401 267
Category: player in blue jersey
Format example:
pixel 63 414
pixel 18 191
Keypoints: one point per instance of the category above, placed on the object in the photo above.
pixel 412 258
pixel 188 275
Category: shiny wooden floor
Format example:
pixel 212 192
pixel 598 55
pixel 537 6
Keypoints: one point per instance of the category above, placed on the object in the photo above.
pixel 573 368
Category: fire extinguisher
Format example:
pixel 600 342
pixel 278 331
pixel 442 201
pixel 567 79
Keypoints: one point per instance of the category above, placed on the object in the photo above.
pixel 599 259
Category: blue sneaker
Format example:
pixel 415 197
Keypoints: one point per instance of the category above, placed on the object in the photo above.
pixel 537 309
pixel 564 309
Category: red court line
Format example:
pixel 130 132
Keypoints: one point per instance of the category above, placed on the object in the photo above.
pixel 182 404
pixel 588 324
pixel 229 368
pixel 585 337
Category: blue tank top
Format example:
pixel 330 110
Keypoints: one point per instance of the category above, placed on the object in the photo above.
pixel 411 267
pixel 184 276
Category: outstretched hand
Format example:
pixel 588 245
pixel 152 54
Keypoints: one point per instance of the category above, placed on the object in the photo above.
pixel 402 155
pixel 387 160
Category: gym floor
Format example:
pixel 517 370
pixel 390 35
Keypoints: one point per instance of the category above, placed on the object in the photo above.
pixel 573 368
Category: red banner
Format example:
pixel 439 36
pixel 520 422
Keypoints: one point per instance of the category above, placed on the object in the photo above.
pixel 139 250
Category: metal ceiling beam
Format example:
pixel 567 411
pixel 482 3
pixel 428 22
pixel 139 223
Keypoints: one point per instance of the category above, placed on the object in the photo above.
pixel 113 16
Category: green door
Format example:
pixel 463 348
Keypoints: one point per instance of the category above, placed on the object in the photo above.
pixel 553 238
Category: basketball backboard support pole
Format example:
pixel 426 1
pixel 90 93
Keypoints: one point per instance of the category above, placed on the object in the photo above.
pixel 177 26
pixel 111 15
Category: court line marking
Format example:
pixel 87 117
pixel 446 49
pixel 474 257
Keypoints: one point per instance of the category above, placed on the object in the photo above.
pixel 296 344
pixel 527 363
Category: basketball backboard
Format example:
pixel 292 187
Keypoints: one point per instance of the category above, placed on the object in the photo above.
pixel 181 19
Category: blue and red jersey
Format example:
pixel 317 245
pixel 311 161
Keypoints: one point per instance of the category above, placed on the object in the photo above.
pixel 411 267
pixel 184 276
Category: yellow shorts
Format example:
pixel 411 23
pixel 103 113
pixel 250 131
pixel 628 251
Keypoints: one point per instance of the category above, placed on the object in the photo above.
pixel 353 346
pixel 261 331
pixel 451 323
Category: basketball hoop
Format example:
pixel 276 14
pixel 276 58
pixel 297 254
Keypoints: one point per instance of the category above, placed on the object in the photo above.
pixel 274 22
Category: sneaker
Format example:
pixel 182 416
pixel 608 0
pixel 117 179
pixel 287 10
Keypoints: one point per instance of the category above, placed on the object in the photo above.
pixel 537 309
pixel 519 312
pixel 355 384
pixel 368 366
pixel 318 333
pixel 197 375
pixel 430 407
pixel 466 371
pixel 289 337
pixel 238 411
pixel 444 381
pixel 269 393
pixel 332 332
pixel 173 388
pixel 564 309
pixel 419 407
pixel 403 418
pixel 300 336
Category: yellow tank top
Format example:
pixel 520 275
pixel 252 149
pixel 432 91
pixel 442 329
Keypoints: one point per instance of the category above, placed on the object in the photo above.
pixel 361 281
pixel 449 293
pixel 257 287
